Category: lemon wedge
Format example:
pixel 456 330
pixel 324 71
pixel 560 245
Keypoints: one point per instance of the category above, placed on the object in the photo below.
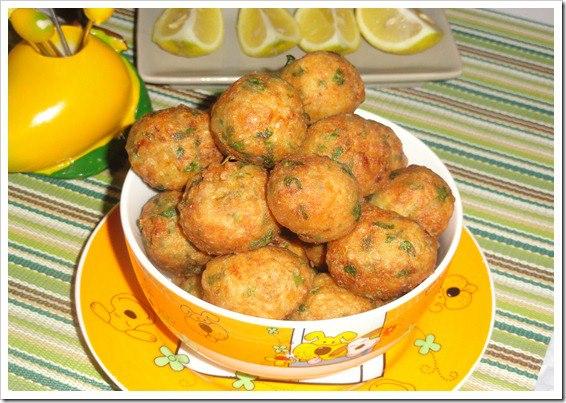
pixel 189 32
pixel 397 30
pixel 330 29
pixel 265 32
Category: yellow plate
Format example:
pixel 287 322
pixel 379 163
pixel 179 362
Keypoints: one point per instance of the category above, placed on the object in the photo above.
pixel 139 353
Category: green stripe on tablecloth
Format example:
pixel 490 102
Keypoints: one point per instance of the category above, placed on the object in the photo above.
pixel 52 190
pixel 456 90
pixel 508 197
pixel 39 378
pixel 457 105
pixel 526 313
pixel 50 216
pixel 480 20
pixel 398 110
pixel 508 368
pixel 519 342
pixel 75 188
pixel 41 255
pixel 548 242
pixel 517 52
pixel 533 86
pixel 483 154
pixel 506 250
pixel 38 267
pixel 25 237
pixel 56 368
pixel 511 242
pixel 472 163
pixel 19 382
pixel 525 320
pixel 522 332
pixel 51 283
pixel 68 240
pixel 500 384
pixel 40 311
pixel 522 279
pixel 68 341
pixel 525 294
pixel 494 12
pixel 481 73
pixel 493 128
pixel 528 224
pixel 448 122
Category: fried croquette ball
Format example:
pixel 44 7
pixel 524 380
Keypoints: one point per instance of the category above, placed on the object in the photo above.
pixel 326 300
pixel 169 148
pixel 397 158
pixel 165 243
pixel 291 242
pixel 259 119
pixel 225 210
pixel 316 253
pixel 192 285
pixel 327 83
pixel 360 146
pixel 269 282
pixel 418 193
pixel 313 197
pixel 384 257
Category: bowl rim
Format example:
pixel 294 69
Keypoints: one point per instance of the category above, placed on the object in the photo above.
pixel 382 310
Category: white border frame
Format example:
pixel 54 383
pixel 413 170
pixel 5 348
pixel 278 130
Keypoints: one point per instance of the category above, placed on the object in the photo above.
pixel 558 258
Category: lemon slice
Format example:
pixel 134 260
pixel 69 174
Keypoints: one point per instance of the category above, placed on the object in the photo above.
pixel 189 32
pixel 397 30
pixel 330 29
pixel 265 32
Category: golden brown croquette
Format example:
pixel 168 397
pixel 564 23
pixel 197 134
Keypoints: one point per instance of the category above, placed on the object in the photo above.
pixel 269 282
pixel 384 257
pixel 170 147
pixel 226 212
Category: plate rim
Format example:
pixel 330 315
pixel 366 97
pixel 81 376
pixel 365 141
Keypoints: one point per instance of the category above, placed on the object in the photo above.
pixel 77 297
pixel 122 387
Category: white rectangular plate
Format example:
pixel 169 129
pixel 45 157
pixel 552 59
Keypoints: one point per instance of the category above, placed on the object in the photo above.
pixel 228 63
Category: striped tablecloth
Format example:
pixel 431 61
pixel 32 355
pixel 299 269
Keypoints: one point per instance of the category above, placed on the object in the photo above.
pixel 493 127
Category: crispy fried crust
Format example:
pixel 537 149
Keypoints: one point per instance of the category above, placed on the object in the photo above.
pixel 384 257
pixel 328 84
pixel 225 210
pixel 418 193
pixel 259 119
pixel 269 282
pixel 170 147
pixel 165 243
pixel 313 197
pixel 359 145
pixel 327 300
